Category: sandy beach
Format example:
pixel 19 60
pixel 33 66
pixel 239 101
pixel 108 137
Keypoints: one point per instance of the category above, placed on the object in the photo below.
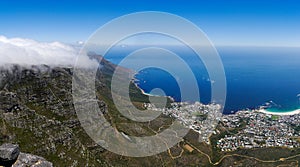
pixel 294 112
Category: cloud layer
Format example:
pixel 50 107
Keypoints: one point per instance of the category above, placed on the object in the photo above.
pixel 29 52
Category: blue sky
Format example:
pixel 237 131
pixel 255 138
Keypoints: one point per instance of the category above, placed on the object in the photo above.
pixel 267 23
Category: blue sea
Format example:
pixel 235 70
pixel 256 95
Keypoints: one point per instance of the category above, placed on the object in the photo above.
pixel 256 76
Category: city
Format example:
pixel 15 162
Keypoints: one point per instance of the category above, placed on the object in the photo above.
pixel 246 128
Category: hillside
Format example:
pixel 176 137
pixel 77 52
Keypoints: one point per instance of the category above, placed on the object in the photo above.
pixel 37 113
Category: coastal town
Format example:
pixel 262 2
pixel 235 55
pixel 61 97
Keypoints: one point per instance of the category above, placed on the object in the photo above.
pixel 258 129
pixel 244 129
pixel 199 117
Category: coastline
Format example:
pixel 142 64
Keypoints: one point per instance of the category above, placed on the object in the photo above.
pixel 148 94
pixel 293 112
pixel 260 109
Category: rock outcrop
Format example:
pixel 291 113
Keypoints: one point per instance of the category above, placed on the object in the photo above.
pixel 10 155
pixel 32 161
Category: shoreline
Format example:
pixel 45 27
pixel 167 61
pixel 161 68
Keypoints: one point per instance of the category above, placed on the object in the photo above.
pixel 148 94
pixel 286 113
pixel 293 112
pixel 262 110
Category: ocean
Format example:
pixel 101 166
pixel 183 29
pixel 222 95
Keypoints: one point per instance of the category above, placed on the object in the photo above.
pixel 256 76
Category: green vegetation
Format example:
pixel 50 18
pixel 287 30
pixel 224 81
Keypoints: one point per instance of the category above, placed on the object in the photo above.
pixel 274 117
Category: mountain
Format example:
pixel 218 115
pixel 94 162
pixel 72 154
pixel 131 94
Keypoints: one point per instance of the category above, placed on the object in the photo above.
pixel 37 113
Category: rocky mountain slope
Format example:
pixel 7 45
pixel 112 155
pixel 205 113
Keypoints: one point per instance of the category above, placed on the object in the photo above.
pixel 37 113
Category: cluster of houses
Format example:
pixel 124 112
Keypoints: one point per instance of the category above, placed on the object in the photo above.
pixel 256 129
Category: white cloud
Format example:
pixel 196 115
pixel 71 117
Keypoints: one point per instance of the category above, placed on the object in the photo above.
pixel 29 52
